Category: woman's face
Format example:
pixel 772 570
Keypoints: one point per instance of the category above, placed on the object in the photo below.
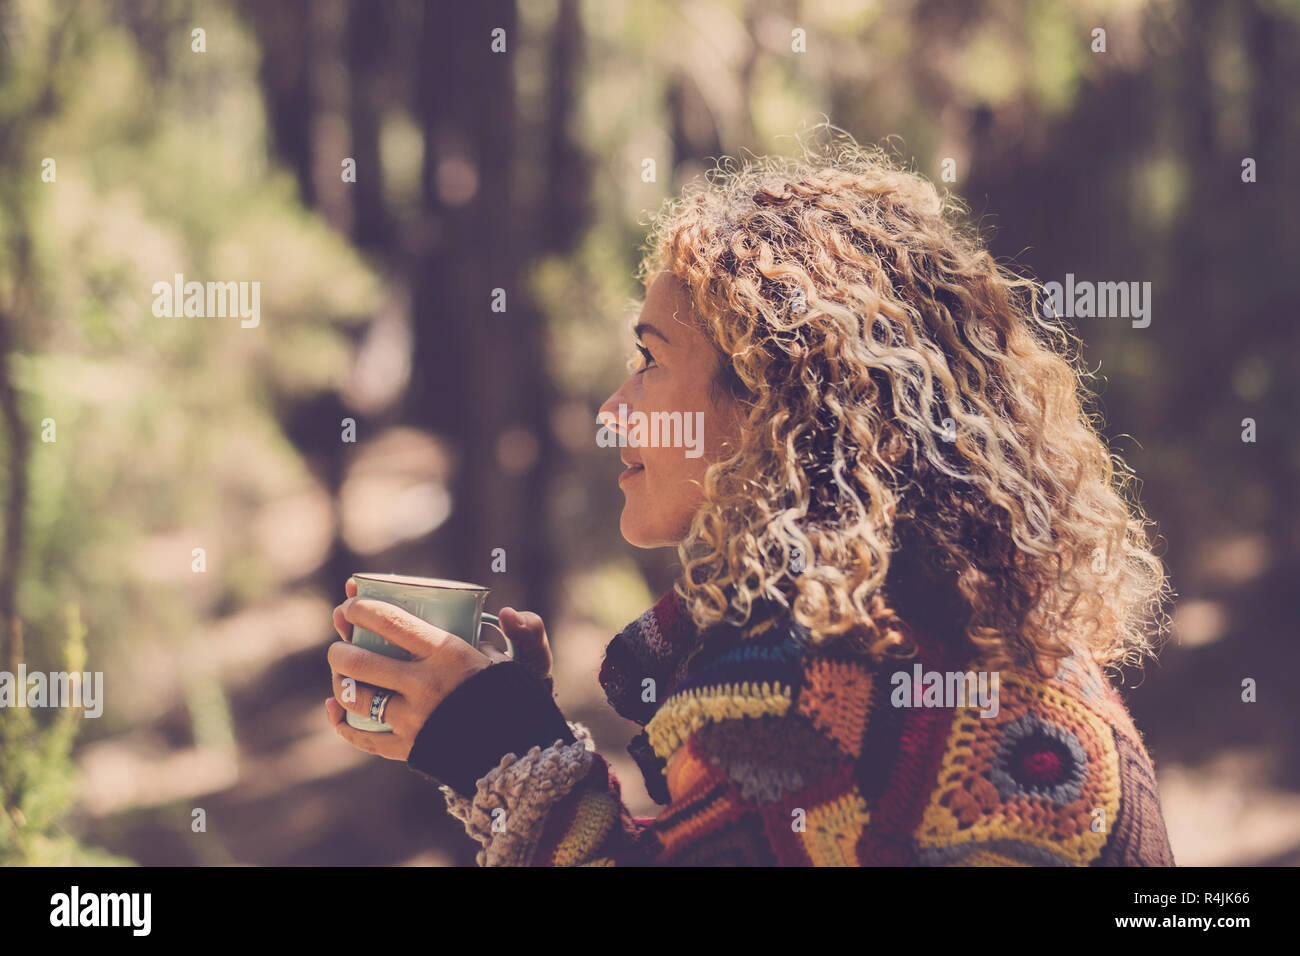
pixel 670 428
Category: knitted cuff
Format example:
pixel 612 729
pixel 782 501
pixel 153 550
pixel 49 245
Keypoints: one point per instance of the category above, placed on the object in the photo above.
pixel 502 709
pixel 512 800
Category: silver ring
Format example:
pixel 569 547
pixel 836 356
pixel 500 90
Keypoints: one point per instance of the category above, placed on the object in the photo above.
pixel 378 704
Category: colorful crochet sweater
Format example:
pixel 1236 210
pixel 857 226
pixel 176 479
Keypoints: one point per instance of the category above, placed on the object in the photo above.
pixel 769 751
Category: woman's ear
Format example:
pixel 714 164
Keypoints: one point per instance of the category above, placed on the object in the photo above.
pixel 726 383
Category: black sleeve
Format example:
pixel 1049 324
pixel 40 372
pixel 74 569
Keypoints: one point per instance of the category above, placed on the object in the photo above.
pixel 502 709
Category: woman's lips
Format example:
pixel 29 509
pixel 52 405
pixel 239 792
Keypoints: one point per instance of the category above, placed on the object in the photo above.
pixel 632 470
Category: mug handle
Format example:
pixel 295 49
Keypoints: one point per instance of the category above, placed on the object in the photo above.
pixel 491 620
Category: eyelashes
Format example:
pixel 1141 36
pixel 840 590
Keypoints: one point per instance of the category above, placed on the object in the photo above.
pixel 645 354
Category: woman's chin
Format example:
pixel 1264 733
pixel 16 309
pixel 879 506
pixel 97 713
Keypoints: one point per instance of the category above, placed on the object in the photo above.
pixel 638 533
pixel 632 531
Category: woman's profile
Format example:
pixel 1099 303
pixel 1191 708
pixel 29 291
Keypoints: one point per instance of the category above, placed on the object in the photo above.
pixel 908 561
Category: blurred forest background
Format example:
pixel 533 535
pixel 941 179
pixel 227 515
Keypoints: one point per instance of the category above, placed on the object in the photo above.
pixel 131 440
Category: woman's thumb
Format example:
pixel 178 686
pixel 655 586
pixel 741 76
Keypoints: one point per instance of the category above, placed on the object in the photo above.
pixel 527 632
pixel 520 623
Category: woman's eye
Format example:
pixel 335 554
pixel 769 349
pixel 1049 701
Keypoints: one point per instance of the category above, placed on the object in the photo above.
pixel 645 354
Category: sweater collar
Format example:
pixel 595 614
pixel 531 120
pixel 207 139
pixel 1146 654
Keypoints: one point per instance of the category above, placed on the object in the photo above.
pixel 660 645
pixel 654 646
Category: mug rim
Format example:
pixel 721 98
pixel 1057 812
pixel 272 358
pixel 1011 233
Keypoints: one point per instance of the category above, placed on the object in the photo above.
pixel 407 580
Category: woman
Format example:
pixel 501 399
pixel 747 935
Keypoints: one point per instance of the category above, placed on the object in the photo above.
pixel 906 560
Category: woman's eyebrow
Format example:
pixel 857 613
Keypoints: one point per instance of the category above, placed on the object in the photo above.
pixel 642 329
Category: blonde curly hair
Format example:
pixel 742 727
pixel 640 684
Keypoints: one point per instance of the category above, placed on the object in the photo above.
pixel 897 384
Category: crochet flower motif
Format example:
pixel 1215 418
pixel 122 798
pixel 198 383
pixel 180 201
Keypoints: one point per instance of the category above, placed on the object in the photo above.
pixel 1038 757
pixel 1026 785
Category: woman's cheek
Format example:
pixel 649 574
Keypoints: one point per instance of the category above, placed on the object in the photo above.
pixel 656 491
pixel 675 494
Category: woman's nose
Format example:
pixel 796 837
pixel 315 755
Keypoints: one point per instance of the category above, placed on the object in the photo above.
pixel 608 413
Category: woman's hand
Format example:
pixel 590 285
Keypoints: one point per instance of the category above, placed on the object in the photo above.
pixel 440 663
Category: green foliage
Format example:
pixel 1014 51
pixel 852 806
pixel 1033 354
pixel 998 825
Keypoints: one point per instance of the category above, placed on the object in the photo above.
pixel 38 779
pixel 166 428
